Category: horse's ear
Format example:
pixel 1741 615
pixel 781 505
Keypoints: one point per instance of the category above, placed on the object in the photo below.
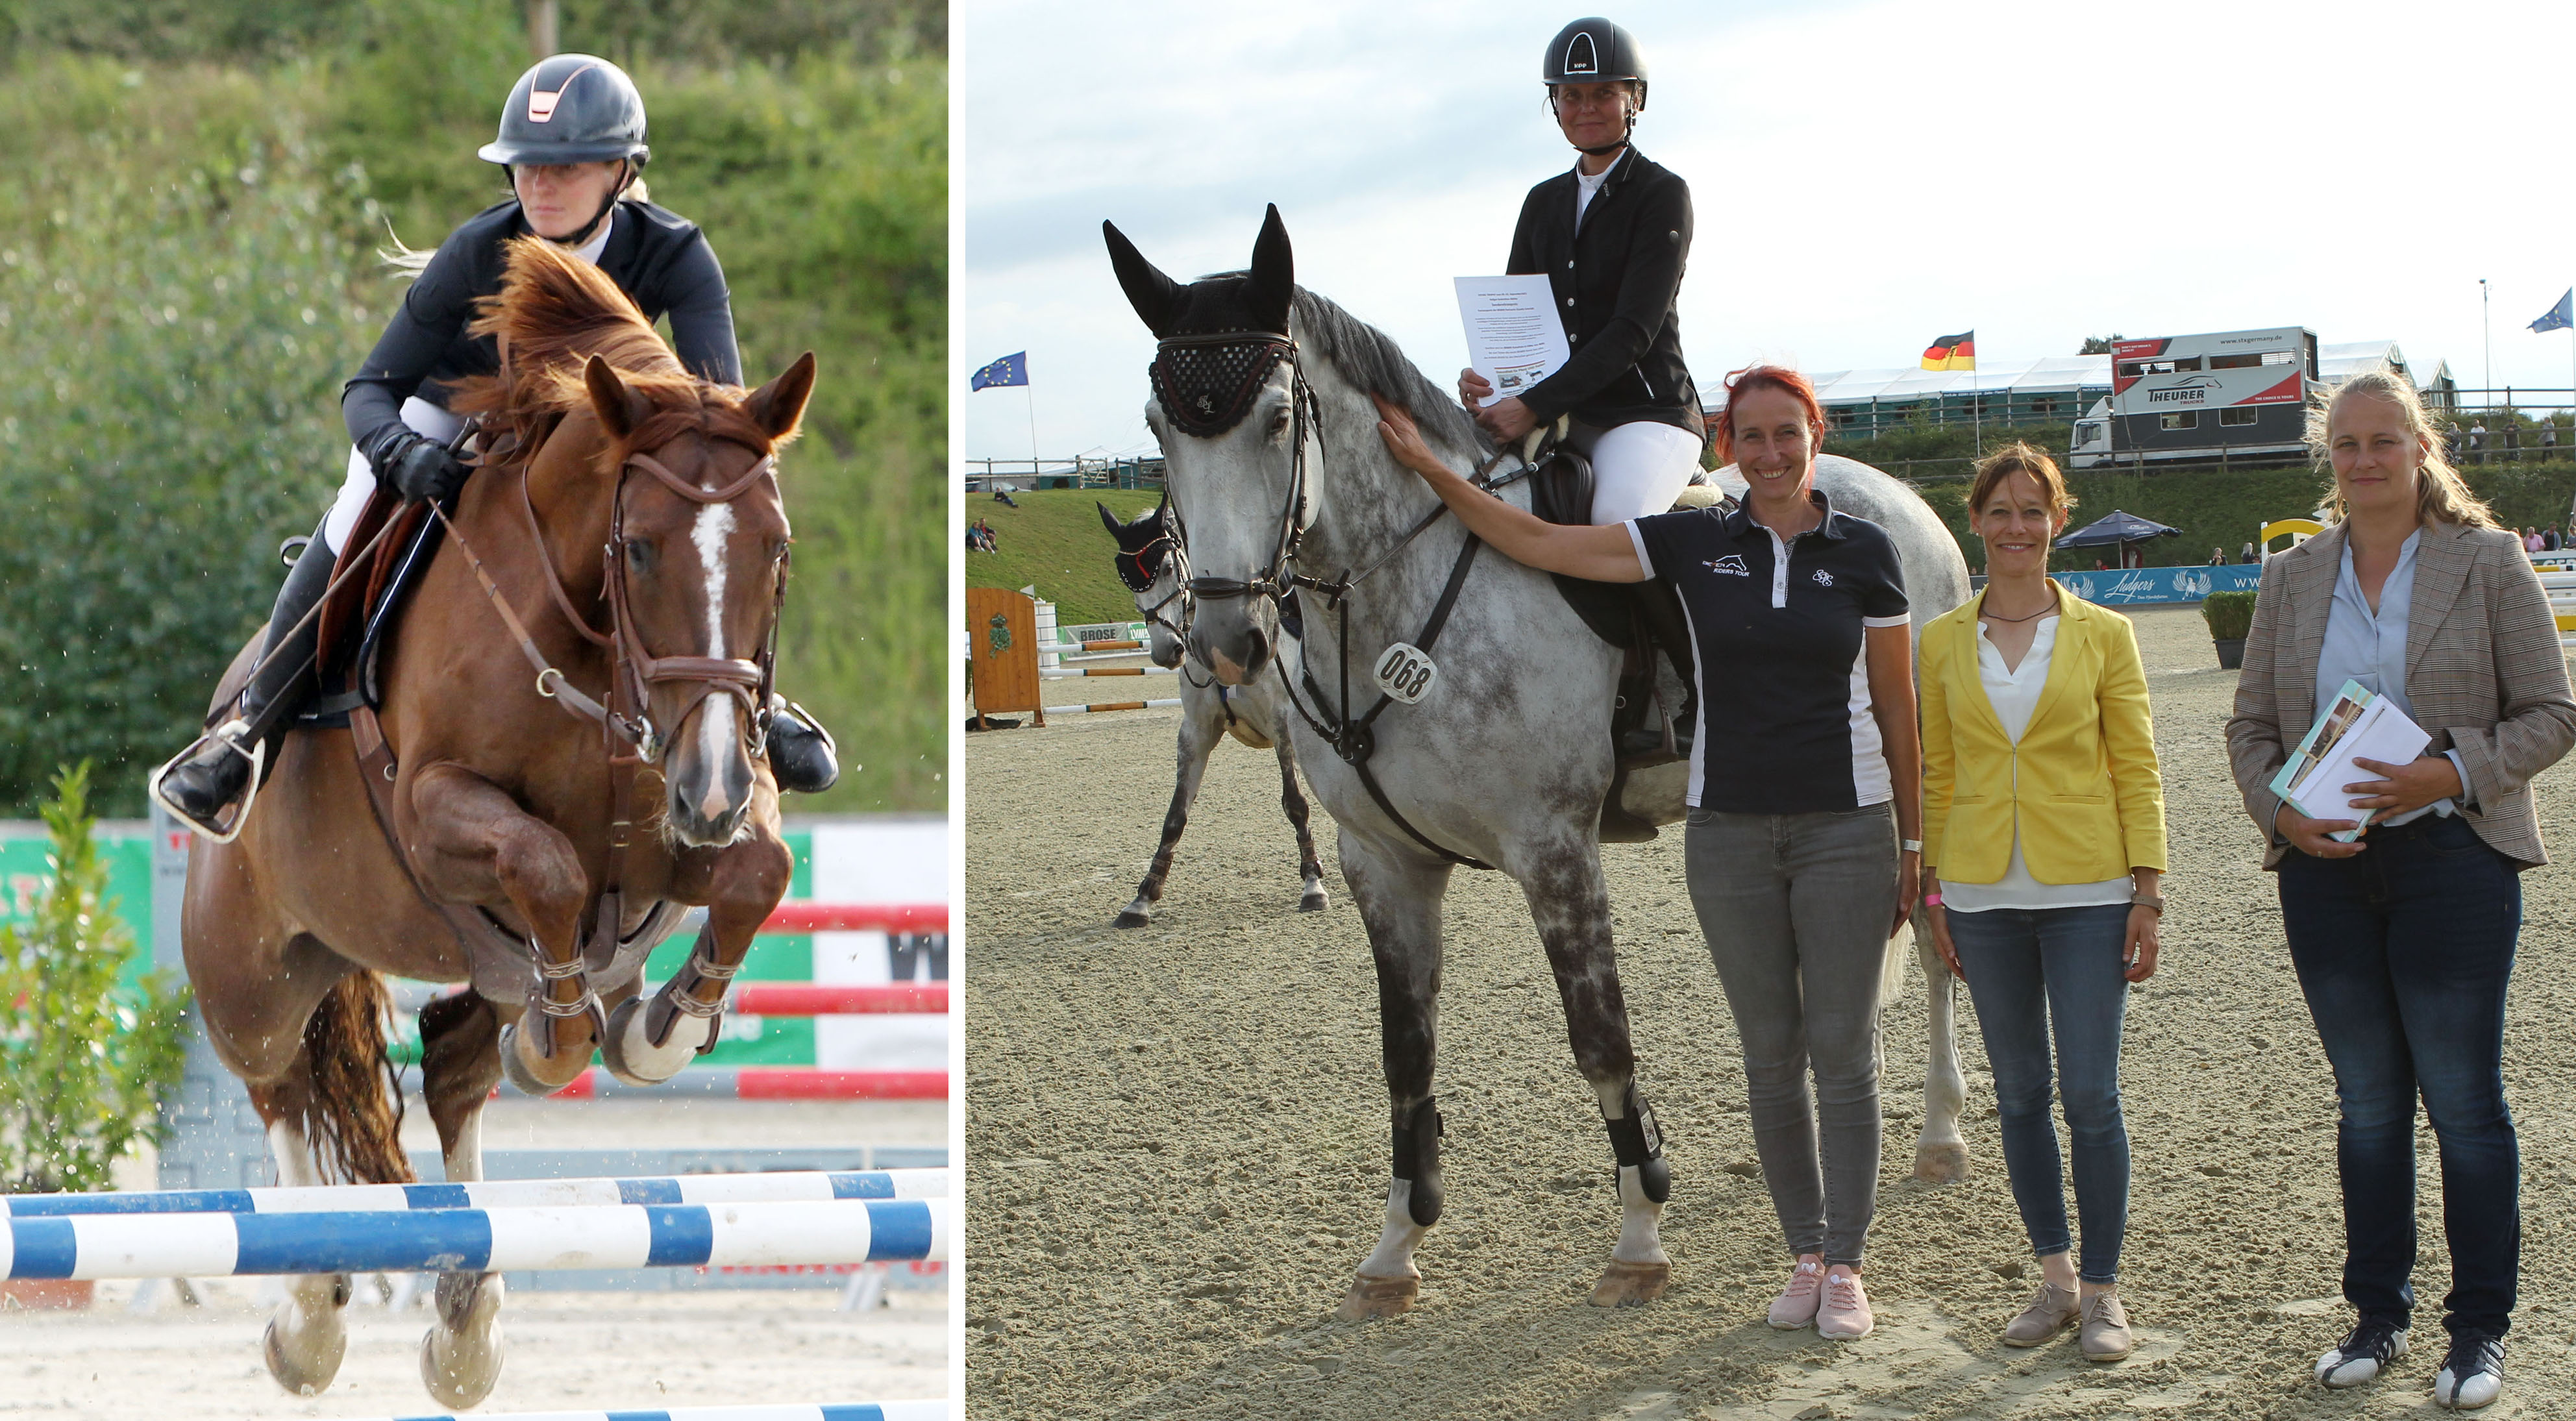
pixel 778 405
pixel 1156 297
pixel 1163 510
pixel 1115 527
pixel 620 409
pixel 1274 275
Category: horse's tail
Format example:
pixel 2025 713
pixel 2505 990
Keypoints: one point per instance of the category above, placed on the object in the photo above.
pixel 353 1113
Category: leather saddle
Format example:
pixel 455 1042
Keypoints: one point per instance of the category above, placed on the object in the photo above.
pixel 1561 492
pixel 358 619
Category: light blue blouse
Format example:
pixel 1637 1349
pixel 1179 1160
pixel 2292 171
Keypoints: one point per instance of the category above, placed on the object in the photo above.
pixel 2370 648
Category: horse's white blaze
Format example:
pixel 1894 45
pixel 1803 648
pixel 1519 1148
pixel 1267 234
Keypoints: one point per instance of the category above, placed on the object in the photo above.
pixel 715 724
pixel 715 526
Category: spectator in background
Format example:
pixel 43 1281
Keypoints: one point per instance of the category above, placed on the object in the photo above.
pixel 2248 555
pixel 2404 939
pixel 2478 441
pixel 2530 539
pixel 2218 557
pixel 2548 438
pixel 2548 538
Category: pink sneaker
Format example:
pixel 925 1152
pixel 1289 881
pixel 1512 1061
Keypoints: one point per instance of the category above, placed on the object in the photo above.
pixel 1796 1305
pixel 1845 1313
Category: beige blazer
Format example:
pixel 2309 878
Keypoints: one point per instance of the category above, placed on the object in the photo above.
pixel 2483 669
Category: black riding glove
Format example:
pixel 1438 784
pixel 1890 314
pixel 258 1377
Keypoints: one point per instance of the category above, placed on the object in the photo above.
pixel 422 468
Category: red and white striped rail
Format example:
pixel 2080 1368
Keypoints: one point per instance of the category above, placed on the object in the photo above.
pixel 813 917
pixel 762 1083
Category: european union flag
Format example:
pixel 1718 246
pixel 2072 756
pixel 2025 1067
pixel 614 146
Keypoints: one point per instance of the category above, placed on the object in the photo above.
pixel 2560 316
pixel 1009 370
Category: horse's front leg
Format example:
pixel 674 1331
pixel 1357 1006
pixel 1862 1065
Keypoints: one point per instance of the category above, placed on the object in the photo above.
pixel 1940 1152
pixel 1572 908
pixel 1399 901
pixel 1202 726
pixel 472 843
pixel 460 1062
pixel 1310 869
pixel 650 1040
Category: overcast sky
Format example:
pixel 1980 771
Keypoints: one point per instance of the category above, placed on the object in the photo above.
pixel 1866 176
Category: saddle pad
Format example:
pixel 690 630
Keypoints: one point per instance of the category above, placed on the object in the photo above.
pixel 347 610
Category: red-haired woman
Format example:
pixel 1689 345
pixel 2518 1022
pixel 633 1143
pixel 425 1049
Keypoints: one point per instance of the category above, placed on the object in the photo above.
pixel 1801 851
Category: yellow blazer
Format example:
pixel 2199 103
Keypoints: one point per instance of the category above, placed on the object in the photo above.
pixel 2082 788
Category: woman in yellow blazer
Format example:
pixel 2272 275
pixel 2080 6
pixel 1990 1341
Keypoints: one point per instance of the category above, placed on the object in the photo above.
pixel 2043 842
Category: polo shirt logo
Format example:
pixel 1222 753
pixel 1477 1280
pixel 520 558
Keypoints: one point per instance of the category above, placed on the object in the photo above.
pixel 1730 564
pixel 1824 578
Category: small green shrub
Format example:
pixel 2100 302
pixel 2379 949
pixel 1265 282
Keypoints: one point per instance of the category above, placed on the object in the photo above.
pixel 2229 614
pixel 83 1067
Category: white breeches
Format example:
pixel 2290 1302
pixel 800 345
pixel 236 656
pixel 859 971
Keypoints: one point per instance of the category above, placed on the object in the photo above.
pixel 421 415
pixel 1639 469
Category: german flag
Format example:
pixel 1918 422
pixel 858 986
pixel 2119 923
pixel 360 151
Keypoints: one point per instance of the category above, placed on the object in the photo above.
pixel 1958 352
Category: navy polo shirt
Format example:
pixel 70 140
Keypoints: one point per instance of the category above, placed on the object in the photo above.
pixel 1783 673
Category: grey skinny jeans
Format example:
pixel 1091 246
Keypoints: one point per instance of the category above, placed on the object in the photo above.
pixel 1796 909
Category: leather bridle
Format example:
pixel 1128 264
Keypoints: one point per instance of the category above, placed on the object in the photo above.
pixel 1255 352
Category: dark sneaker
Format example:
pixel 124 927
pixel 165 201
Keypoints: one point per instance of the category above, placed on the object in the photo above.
pixel 2472 1374
pixel 2363 1353
pixel 801 752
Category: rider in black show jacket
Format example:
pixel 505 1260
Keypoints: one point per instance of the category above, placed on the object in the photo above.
pixel 657 257
pixel 568 110
pixel 1618 282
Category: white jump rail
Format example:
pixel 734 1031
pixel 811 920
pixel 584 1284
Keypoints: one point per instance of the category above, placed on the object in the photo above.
pixel 1114 706
pixel 2561 587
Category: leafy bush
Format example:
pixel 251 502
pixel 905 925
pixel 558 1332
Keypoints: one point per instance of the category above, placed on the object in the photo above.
pixel 2229 614
pixel 82 1070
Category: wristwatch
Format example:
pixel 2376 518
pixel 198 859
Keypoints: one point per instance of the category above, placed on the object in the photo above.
pixel 2147 900
pixel 1911 846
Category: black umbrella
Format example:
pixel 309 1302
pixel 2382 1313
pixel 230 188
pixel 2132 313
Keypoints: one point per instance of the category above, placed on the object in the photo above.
pixel 2118 528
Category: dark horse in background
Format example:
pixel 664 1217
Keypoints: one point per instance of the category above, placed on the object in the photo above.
pixel 1150 565
pixel 630 527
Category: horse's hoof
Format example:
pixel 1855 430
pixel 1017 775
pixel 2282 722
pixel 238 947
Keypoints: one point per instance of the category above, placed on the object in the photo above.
pixel 1941 1164
pixel 310 1374
pixel 1131 918
pixel 535 1077
pixel 1628 1285
pixel 466 1374
pixel 634 1060
pixel 1377 1297
pixel 1315 901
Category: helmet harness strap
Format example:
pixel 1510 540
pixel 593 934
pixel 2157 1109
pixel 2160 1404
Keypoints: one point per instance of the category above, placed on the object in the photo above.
pixel 589 229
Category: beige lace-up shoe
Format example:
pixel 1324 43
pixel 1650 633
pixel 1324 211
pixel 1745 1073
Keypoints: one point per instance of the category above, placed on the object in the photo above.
pixel 2105 1337
pixel 2052 1310
pixel 1845 1314
pixel 1796 1305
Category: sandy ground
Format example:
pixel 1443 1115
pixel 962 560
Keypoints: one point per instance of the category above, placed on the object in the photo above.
pixel 564 1350
pixel 1177 1139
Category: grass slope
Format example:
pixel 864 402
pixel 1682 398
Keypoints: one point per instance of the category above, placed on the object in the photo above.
pixel 1054 541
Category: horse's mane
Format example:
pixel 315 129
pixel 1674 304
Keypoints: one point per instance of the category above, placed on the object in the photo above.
pixel 1369 358
pixel 553 313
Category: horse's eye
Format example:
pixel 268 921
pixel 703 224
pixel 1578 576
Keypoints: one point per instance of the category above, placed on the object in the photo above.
pixel 1278 423
pixel 639 554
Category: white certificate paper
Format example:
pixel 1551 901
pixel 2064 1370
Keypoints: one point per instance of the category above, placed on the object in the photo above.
pixel 2359 726
pixel 1514 337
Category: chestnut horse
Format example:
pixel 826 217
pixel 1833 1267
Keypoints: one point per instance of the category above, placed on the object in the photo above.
pixel 627 536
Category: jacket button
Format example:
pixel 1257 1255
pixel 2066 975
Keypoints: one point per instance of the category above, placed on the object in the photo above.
pixel 1569 300
pixel 1569 265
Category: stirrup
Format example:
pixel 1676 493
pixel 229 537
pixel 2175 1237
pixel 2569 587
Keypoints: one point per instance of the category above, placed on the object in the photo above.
pixel 229 735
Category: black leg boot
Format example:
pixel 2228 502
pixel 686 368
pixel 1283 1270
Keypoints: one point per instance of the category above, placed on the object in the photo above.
pixel 1659 608
pixel 201 787
pixel 802 754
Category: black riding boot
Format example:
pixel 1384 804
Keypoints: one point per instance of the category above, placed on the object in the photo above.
pixel 802 754
pixel 1641 736
pixel 200 788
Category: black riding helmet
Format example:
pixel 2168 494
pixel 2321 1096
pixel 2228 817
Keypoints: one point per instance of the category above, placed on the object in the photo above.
pixel 1592 51
pixel 572 108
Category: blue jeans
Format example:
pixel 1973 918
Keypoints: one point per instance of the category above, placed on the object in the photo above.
pixel 2403 952
pixel 2031 970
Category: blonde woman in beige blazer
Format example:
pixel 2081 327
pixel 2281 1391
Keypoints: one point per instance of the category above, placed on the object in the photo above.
pixel 2404 939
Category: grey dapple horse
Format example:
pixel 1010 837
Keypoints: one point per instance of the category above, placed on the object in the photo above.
pixel 1261 400
pixel 1151 567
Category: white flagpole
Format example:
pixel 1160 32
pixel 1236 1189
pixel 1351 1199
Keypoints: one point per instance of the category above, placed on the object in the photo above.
pixel 1028 392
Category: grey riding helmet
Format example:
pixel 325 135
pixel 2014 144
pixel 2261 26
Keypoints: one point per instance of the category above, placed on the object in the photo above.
pixel 1593 51
pixel 572 108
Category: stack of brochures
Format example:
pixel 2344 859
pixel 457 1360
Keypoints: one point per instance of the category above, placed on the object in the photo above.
pixel 2359 725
